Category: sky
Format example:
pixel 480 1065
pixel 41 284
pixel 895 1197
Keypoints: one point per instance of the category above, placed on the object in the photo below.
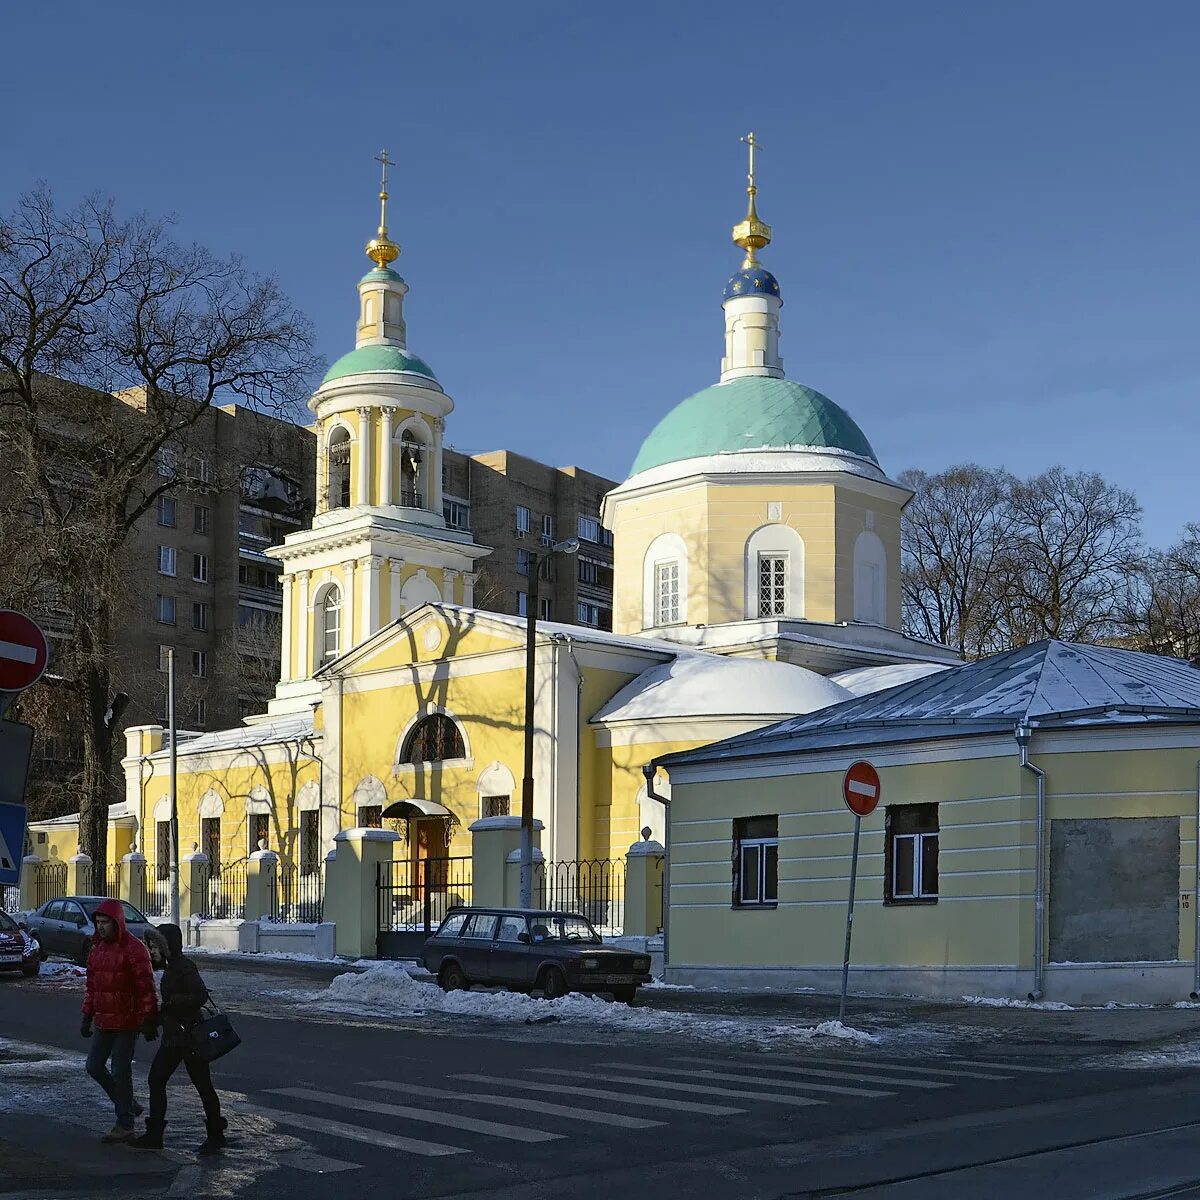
pixel 985 215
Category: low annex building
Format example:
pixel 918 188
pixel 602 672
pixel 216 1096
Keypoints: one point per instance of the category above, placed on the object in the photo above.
pixel 1036 836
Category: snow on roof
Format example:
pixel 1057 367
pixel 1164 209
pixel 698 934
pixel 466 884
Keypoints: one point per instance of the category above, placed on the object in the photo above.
pixel 1048 682
pixel 710 685
pixel 285 729
pixel 866 681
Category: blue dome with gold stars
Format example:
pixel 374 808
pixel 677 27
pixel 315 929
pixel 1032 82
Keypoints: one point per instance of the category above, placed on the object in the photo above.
pixel 752 281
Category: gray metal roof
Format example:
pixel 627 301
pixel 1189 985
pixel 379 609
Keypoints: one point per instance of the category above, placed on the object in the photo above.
pixel 1048 682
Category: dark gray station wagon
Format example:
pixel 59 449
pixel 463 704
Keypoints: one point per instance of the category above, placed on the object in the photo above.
pixel 529 950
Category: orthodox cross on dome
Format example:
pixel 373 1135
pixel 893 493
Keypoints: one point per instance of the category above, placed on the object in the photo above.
pixel 381 249
pixel 751 234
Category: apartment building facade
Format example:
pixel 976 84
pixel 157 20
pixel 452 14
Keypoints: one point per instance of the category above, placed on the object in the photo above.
pixel 521 508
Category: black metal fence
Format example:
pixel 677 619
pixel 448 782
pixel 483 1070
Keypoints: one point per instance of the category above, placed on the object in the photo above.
pixel 594 887
pixel 300 898
pixel 223 896
pixel 413 897
pixel 49 880
pixel 105 881
pixel 154 896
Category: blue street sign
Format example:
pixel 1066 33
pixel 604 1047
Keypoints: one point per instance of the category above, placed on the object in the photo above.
pixel 12 842
pixel 16 741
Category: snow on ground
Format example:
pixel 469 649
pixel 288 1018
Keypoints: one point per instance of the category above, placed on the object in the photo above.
pixel 1006 1002
pixel 390 989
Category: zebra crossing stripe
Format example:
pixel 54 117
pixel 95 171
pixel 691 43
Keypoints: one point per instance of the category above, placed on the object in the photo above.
pixel 313 1163
pixel 619 1120
pixel 353 1133
pixel 820 1073
pixel 692 1090
pixel 513 1133
pixel 761 1081
pixel 562 1089
pixel 1007 1066
pixel 906 1067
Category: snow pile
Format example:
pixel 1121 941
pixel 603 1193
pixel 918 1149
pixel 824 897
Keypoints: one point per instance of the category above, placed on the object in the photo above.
pixel 61 970
pixel 1005 1002
pixel 388 989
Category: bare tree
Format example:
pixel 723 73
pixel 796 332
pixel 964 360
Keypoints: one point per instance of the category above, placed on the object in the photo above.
pixel 91 306
pixel 956 534
pixel 1160 613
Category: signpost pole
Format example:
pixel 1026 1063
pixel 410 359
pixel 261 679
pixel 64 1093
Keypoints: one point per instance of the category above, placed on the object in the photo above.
pixel 172 733
pixel 849 918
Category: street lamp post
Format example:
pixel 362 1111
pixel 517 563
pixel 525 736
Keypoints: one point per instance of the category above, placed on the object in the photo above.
pixel 569 546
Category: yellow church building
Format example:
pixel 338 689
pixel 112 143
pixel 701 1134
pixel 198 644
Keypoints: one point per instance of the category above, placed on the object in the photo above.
pixel 757 562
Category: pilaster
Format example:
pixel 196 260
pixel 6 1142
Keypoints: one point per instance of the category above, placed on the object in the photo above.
pixel 362 495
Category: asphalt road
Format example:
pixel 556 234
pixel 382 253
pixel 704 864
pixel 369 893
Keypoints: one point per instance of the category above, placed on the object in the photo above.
pixel 460 1107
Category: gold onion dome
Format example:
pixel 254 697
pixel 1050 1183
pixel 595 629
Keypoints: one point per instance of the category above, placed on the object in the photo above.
pixel 381 249
pixel 751 234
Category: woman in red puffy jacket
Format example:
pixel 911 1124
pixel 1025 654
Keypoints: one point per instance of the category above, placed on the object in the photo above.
pixel 119 1003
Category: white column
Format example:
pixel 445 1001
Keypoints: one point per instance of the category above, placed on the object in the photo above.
pixel 468 588
pixel 435 453
pixel 285 650
pixel 448 577
pixel 385 463
pixel 304 668
pixel 365 457
pixel 395 566
pixel 349 633
pixel 370 595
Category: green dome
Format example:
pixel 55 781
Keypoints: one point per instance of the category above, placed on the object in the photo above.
pixel 751 413
pixel 377 358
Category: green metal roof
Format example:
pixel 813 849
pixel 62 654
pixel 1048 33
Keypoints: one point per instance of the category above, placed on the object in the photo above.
pixel 379 273
pixel 752 413
pixel 378 358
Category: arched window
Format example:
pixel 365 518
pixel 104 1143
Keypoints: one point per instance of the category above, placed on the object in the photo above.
pixel 412 471
pixel 774 573
pixel 433 739
pixel 870 579
pixel 665 582
pixel 337 459
pixel 329 625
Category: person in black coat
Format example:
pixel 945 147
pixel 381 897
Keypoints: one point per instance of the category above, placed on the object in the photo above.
pixel 183 996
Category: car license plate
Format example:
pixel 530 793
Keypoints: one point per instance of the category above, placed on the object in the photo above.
pixel 620 979
pixel 10 958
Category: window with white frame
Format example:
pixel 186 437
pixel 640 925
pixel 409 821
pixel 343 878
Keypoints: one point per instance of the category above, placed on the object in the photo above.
pixel 200 568
pixel 590 614
pixel 589 528
pixel 456 512
pixel 165 508
pixel 522 604
pixel 523 562
pixel 772 585
pixel 199 615
pixel 166 462
pixel 330 644
pixel 523 520
pixel 666 593
pixel 755 862
pixel 200 518
pixel 166 560
pixel 545 608
pixel 547 538
pixel 911 866
pixel 200 664
pixel 164 609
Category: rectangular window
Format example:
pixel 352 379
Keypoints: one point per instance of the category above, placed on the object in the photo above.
pixel 911 866
pixel 200 469
pixel 494 806
pixel 166 560
pixel 260 826
pixel 666 593
pixel 457 514
pixel 164 609
pixel 166 462
pixel 165 507
pixel 210 843
pixel 589 571
pixel 547 536
pixel 590 614
pixel 162 854
pixel 589 528
pixel 522 562
pixel 523 520
pixel 200 518
pixel 200 664
pixel 755 862
pixel 522 604
pixel 199 615
pixel 200 712
pixel 370 816
pixel 310 842
pixel 200 568
pixel 164 654
pixel 545 608
pixel 772 585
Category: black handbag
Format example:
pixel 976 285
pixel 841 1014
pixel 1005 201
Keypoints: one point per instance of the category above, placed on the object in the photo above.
pixel 213 1035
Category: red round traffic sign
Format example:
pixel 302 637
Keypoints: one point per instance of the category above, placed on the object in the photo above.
pixel 23 651
pixel 861 789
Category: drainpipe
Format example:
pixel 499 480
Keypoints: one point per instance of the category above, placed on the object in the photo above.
pixel 650 770
pixel 1196 890
pixel 1023 734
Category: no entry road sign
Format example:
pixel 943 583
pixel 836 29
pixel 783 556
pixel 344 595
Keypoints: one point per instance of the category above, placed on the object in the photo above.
pixel 23 651
pixel 860 788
